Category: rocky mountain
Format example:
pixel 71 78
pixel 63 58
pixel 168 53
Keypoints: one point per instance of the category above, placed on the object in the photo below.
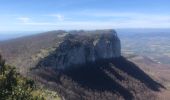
pixel 80 65
pixel 81 48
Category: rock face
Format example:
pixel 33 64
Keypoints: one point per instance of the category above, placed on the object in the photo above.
pixel 80 47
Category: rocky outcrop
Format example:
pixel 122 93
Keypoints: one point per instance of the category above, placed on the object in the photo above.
pixel 81 47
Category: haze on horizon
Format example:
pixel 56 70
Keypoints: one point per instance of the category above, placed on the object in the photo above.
pixel 38 15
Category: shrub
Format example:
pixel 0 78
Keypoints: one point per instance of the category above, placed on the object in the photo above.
pixel 13 86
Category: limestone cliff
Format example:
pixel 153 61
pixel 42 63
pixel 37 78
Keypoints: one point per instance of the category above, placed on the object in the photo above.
pixel 80 47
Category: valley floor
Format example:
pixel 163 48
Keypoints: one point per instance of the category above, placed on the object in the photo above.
pixel 158 71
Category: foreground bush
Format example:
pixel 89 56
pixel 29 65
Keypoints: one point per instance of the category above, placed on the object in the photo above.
pixel 13 86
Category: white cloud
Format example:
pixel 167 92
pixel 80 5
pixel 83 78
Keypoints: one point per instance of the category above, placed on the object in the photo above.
pixel 100 25
pixel 24 19
pixel 116 20
pixel 58 16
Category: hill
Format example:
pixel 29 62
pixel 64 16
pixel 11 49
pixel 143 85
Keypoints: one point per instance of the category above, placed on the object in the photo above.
pixel 25 51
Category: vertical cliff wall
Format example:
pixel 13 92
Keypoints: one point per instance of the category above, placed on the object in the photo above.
pixel 80 47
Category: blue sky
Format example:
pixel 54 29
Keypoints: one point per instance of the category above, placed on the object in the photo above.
pixel 44 15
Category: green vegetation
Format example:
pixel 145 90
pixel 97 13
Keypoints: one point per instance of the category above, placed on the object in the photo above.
pixel 47 94
pixel 15 87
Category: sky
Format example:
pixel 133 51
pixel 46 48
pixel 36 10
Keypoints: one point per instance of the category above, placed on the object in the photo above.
pixel 45 15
